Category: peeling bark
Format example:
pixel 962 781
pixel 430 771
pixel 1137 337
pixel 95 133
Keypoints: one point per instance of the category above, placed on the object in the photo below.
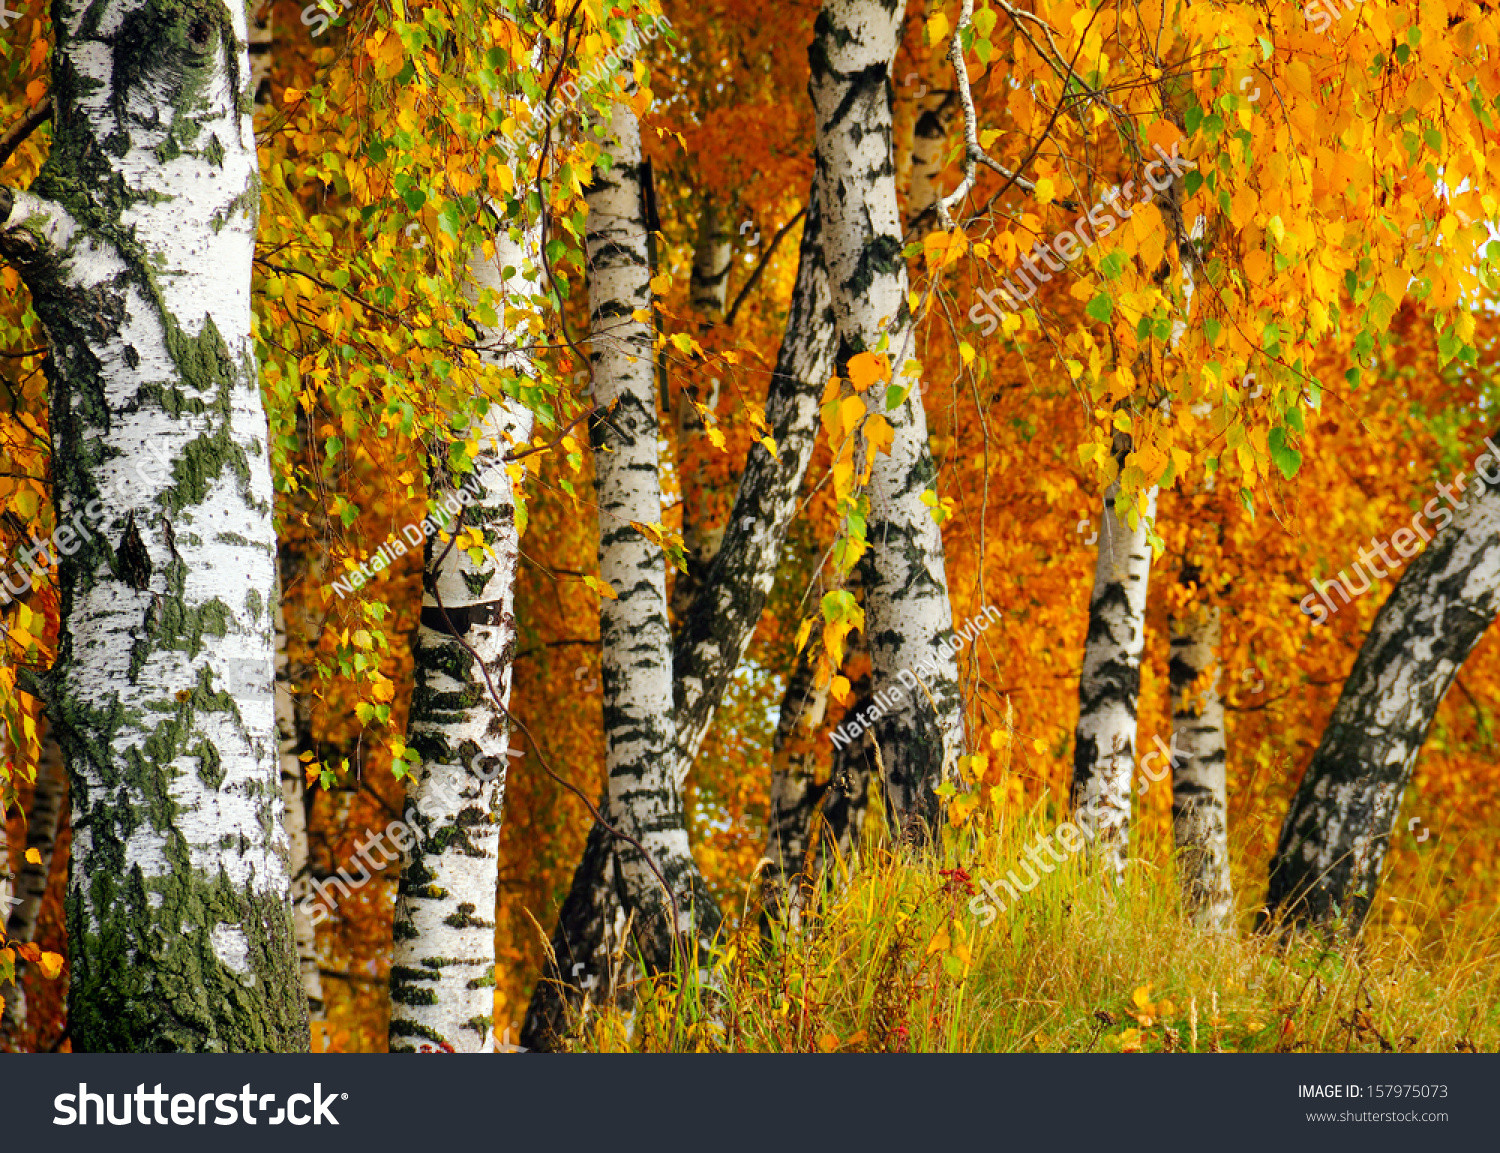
pixel 1338 828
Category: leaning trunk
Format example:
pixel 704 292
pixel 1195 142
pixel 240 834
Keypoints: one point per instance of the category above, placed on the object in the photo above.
pixel 1334 841
pixel 136 243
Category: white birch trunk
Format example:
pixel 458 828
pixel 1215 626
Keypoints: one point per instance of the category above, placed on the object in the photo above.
pixel 713 631
pixel 1200 822
pixel 136 242
pixel 293 792
pixel 908 617
pixel 644 796
pixel 1110 682
pixel 443 968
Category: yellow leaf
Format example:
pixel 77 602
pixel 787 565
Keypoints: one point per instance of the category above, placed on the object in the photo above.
pixel 828 1042
pixel 661 284
pixel 843 477
pixel 1046 191
pixel 866 368
pixel 879 434
pixel 1299 78
pixel 937 28
pixel 33 857
pixel 51 965
pixel 839 687
pixel 851 412
pixel 770 447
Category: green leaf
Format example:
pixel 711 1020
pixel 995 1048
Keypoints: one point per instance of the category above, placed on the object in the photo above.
pixel 1101 308
pixel 1286 458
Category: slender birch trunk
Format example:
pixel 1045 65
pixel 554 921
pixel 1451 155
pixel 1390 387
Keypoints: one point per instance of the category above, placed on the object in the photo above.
pixel 1338 828
pixel 718 625
pixel 717 628
pixel 42 824
pixel 294 794
pixel 645 799
pixel 1110 682
pixel 712 255
pixel 1200 828
pixel 909 619
pixel 443 966
pixel 136 243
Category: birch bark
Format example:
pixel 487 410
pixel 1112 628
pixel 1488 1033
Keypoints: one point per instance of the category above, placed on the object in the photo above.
pixel 1200 829
pixel 1110 681
pixel 645 798
pixel 909 619
pixel 136 242
pixel 443 967
pixel 1338 828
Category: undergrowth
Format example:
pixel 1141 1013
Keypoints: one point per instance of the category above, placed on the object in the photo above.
pixel 890 959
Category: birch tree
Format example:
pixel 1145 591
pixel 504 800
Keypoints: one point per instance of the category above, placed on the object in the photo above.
pixel 908 617
pixel 442 969
pixel 1110 681
pixel 715 629
pixel 135 242
pixel 1338 828
pixel 290 728
pixel 1199 811
pixel 645 799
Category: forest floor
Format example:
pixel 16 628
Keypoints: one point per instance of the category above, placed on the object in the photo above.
pixel 895 960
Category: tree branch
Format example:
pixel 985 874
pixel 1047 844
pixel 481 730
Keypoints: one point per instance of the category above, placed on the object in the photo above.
pixel 17 133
